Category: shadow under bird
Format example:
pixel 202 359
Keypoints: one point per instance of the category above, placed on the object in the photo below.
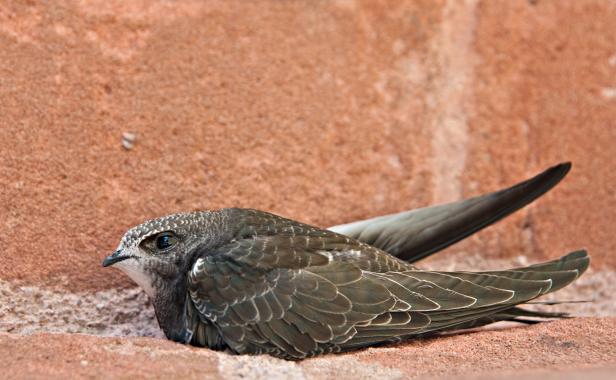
pixel 254 282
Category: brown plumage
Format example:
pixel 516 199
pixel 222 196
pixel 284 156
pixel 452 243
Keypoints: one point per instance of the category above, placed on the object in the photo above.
pixel 255 282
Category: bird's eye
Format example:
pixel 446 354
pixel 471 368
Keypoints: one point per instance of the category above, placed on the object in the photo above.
pixel 165 240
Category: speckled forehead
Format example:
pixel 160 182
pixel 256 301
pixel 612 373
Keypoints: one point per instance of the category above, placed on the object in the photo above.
pixel 185 221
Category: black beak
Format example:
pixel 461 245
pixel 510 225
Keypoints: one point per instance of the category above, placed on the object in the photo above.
pixel 115 257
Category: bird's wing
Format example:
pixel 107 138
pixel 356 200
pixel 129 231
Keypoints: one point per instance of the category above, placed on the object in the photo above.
pixel 415 234
pixel 304 291
pixel 287 288
pixel 492 296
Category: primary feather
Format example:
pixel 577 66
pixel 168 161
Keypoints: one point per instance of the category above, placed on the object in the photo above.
pixel 415 234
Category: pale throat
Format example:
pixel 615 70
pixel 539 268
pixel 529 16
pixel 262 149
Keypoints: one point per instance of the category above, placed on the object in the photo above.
pixel 136 273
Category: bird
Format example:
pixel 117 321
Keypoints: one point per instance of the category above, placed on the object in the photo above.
pixel 252 282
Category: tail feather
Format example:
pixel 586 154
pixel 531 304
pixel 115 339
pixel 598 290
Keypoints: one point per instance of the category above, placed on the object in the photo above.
pixel 514 314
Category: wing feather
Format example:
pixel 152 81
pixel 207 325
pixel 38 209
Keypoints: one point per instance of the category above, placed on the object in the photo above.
pixel 413 235
pixel 294 291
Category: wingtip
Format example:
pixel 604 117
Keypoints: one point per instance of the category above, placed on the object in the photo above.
pixel 562 169
pixel 581 253
pixel 549 177
pixel 581 258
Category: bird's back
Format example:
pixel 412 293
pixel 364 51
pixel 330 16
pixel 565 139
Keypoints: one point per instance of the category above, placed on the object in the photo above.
pixel 294 290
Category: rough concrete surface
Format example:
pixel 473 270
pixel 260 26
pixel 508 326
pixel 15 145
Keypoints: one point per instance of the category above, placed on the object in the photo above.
pixel 561 347
pixel 113 112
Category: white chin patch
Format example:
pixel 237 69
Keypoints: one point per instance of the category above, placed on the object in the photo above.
pixel 136 273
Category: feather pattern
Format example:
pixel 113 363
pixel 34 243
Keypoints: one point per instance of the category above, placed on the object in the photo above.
pixel 254 282
pixel 293 290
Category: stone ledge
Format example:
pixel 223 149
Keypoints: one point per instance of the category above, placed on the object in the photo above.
pixel 547 350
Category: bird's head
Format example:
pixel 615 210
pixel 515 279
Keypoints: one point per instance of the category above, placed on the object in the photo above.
pixel 159 251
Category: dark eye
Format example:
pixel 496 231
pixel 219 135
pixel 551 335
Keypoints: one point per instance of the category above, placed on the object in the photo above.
pixel 165 240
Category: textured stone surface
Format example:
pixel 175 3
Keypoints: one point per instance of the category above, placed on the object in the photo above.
pixel 542 94
pixel 113 112
pixel 325 112
pixel 538 351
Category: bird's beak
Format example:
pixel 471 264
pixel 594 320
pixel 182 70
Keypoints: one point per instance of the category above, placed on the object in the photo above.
pixel 115 257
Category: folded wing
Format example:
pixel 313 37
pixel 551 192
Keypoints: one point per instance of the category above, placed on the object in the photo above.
pixel 302 291
pixel 413 235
